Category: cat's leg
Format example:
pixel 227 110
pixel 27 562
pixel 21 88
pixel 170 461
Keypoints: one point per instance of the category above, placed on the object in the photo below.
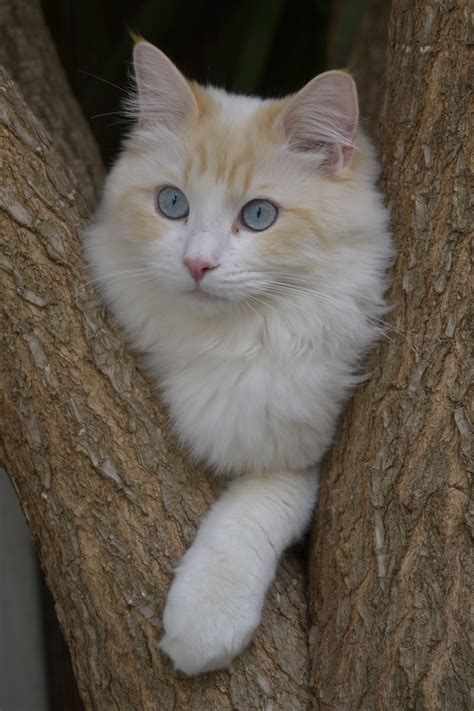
pixel 216 599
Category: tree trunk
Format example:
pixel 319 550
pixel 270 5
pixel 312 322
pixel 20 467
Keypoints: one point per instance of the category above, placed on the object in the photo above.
pixel 110 501
pixel 390 554
pixel 28 54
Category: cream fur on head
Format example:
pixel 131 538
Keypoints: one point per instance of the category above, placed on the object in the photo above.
pixel 243 246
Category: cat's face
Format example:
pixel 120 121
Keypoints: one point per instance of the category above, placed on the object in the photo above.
pixel 225 198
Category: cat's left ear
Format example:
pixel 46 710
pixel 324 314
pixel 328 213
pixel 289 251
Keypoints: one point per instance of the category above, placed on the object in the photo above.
pixel 322 119
pixel 164 95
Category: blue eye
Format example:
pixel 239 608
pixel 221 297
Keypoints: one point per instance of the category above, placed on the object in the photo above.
pixel 173 203
pixel 259 215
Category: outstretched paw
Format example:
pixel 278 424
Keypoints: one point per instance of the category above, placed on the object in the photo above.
pixel 210 615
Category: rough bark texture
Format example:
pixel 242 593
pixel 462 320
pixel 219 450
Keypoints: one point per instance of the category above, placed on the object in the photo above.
pixel 389 573
pixel 28 54
pixel 110 500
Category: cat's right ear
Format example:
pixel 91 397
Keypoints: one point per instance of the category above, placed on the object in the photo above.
pixel 321 119
pixel 164 95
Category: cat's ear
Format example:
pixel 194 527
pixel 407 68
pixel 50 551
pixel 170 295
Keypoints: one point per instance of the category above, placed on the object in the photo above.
pixel 164 95
pixel 322 119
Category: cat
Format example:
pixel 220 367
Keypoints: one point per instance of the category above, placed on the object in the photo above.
pixel 243 246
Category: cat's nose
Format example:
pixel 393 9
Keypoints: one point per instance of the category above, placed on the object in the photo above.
pixel 199 267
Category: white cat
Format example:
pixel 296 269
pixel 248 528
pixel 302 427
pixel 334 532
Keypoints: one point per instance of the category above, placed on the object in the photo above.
pixel 243 246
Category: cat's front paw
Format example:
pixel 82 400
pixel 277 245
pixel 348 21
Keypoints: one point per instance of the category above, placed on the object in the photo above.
pixel 210 615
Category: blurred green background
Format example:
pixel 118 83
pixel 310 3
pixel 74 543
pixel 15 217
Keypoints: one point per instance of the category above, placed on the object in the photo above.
pixel 265 47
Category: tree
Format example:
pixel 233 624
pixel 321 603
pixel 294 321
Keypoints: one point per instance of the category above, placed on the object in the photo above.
pixel 390 611
pixel 111 503
pixel 110 500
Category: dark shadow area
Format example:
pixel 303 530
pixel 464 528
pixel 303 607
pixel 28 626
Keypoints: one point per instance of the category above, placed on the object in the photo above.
pixel 62 686
pixel 269 47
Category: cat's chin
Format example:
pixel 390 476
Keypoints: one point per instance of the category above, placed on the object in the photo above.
pixel 200 298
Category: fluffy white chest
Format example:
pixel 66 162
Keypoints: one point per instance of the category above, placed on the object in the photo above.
pixel 251 411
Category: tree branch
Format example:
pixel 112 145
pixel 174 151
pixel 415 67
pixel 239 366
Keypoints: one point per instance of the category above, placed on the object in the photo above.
pixel 28 54
pixel 111 502
pixel 392 537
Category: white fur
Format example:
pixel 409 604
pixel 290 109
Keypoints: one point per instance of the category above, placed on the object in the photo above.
pixel 216 599
pixel 324 113
pixel 254 373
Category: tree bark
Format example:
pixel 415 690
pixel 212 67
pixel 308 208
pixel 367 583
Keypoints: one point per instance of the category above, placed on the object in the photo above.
pixel 110 500
pixel 391 550
pixel 28 54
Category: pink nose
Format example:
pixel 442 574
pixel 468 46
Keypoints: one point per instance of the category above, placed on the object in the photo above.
pixel 198 267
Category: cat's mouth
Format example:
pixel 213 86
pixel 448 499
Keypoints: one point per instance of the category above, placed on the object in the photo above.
pixel 204 296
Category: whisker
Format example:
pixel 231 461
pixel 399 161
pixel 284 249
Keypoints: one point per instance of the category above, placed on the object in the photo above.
pixel 330 298
pixel 105 81
pixel 108 113
pixel 246 303
pixel 339 305
pixel 115 276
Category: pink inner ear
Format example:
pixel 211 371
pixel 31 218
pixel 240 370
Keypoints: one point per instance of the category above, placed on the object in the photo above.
pixel 346 155
pixel 322 118
pixel 164 96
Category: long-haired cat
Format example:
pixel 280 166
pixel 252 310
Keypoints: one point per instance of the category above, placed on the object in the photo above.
pixel 243 246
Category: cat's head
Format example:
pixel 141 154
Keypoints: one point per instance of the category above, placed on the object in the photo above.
pixel 221 198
